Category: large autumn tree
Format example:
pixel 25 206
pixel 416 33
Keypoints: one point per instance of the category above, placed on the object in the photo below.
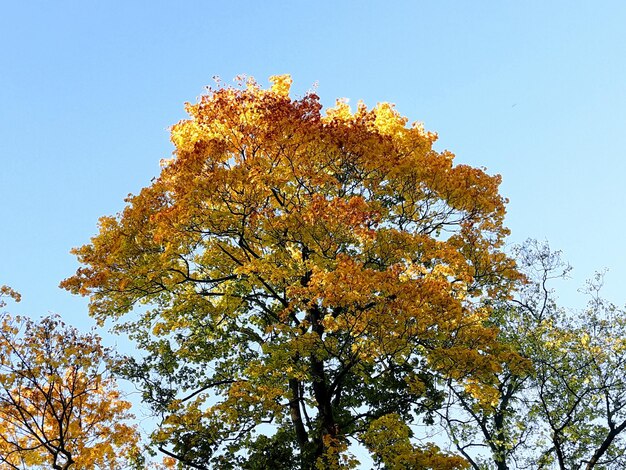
pixel 297 278
pixel 59 406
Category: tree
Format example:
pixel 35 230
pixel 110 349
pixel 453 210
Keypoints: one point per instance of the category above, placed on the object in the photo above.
pixel 581 389
pixel 566 408
pixel 59 408
pixel 500 433
pixel 303 276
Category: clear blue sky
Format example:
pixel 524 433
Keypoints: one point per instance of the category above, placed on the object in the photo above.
pixel 533 90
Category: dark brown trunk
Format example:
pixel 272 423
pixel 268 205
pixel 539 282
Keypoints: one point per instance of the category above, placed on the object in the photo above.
pixel 296 416
pixel 321 391
pixel 605 445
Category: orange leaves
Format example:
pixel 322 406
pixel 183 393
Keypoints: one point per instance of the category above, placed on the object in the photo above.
pixel 356 214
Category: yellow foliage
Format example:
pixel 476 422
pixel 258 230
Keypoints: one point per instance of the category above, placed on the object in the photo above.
pixel 57 403
pixel 388 438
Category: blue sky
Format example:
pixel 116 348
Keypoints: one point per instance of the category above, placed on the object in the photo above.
pixel 533 90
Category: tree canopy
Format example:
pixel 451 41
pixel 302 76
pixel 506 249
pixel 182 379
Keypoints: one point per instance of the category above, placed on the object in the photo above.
pixel 298 282
pixel 60 407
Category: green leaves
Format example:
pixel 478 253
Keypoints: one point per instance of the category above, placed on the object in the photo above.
pixel 562 403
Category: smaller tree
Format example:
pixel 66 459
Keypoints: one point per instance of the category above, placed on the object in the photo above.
pixel 581 387
pixel 563 405
pixel 59 406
